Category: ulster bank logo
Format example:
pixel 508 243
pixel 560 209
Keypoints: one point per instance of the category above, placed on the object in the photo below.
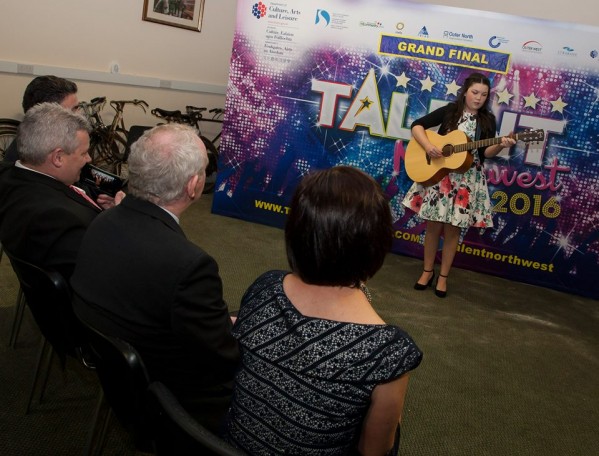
pixel 533 47
pixel 323 18
pixel 259 10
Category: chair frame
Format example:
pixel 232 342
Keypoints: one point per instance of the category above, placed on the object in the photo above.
pixel 30 277
pixel 167 407
pixel 104 346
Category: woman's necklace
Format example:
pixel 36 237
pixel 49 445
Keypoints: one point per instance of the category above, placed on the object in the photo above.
pixel 366 292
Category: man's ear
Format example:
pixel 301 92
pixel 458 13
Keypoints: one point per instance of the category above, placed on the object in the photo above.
pixel 191 186
pixel 56 157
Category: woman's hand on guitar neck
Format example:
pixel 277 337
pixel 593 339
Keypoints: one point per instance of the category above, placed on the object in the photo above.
pixel 506 141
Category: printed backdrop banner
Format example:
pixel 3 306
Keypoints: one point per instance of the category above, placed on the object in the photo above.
pixel 317 84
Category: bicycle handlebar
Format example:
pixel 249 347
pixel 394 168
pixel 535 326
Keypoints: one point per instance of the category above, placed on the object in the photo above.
pixel 93 103
pixel 118 105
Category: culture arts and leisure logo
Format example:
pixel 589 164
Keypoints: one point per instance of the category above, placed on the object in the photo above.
pixel 259 10
pixel 276 11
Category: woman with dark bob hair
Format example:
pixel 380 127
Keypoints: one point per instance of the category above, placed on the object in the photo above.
pixel 321 372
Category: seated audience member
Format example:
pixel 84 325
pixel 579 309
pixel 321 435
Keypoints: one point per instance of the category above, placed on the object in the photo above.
pixel 321 372
pixel 42 218
pixel 140 279
pixel 45 89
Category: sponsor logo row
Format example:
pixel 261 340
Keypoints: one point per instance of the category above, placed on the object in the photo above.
pixel 327 19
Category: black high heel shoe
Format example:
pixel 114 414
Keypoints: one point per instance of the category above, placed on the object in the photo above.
pixel 420 287
pixel 439 293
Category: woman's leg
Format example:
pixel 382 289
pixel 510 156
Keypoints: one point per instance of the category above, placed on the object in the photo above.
pixel 431 244
pixel 451 237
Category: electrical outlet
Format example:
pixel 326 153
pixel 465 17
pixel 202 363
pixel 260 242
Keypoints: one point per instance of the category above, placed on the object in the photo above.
pixel 114 67
pixel 24 69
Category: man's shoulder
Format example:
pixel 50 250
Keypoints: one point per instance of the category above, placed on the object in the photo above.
pixel 16 176
pixel 29 190
pixel 11 154
pixel 17 181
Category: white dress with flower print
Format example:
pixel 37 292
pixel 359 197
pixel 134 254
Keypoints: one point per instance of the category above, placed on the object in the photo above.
pixel 459 199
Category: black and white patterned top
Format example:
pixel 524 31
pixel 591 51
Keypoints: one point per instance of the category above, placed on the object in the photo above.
pixel 305 383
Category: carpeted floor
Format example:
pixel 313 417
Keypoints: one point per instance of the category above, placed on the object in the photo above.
pixel 508 369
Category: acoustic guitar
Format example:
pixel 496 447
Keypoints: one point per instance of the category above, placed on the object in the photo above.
pixel 428 171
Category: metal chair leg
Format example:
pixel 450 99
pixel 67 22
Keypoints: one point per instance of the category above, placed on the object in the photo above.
pixel 18 319
pixel 43 362
pixel 46 370
pixel 97 434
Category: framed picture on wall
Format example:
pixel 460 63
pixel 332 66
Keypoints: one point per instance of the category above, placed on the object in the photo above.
pixel 185 14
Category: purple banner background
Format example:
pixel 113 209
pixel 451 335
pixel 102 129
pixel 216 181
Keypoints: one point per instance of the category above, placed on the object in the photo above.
pixel 293 108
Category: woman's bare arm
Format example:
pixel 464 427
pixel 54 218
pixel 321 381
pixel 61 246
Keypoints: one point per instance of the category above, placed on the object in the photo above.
pixel 383 416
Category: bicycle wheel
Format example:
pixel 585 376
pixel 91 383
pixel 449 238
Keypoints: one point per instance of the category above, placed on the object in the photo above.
pixel 109 152
pixel 8 132
pixel 212 166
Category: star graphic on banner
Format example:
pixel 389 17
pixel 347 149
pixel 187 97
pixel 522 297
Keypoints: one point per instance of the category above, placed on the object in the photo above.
pixel 402 80
pixel 452 88
pixel 558 105
pixel 365 105
pixel 427 84
pixel 531 101
pixel 504 97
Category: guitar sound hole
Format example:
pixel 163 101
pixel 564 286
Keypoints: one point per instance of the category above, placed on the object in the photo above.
pixel 447 150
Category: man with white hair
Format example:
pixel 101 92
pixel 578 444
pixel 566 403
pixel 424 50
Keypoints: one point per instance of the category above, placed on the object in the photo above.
pixel 138 277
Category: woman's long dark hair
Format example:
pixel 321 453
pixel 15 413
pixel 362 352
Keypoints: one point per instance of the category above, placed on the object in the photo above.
pixel 485 116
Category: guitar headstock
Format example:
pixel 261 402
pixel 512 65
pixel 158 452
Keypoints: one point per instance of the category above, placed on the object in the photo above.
pixel 531 135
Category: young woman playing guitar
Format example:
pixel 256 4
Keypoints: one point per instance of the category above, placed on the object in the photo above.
pixel 459 200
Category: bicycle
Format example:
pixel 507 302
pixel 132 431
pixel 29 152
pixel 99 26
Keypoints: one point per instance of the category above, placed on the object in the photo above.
pixel 8 133
pixel 193 117
pixel 108 143
pixel 196 117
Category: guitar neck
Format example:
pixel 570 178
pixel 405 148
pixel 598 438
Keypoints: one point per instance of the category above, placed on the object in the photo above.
pixel 480 143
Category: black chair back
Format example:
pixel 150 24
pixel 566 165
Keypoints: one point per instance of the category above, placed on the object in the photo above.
pixel 124 380
pixel 48 295
pixel 175 431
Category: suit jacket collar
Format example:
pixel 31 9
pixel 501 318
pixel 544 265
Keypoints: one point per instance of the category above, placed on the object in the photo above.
pixel 27 175
pixel 146 207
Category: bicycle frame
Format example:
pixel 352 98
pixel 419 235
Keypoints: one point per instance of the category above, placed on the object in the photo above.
pixel 193 117
pixel 108 143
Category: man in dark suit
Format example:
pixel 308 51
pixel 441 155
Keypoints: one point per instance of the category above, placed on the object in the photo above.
pixel 42 215
pixel 42 219
pixel 138 277
pixel 45 89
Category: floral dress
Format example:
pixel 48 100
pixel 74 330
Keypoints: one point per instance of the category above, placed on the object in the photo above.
pixel 459 199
